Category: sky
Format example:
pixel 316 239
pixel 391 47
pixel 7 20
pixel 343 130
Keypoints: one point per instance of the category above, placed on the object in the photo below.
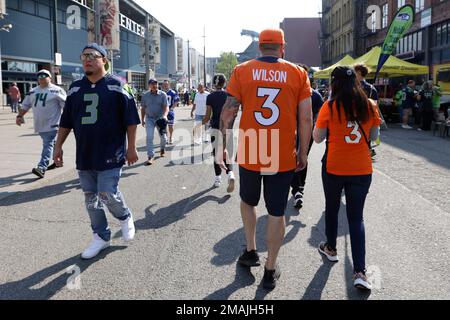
pixel 224 20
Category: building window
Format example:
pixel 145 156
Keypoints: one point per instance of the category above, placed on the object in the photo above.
pixel 400 3
pixel 419 41
pixel 444 34
pixel 374 21
pixel 44 11
pixel 384 21
pixel 29 6
pixel 420 5
pixel 438 35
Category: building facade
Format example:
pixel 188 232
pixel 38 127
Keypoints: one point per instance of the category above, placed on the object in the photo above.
pixel 337 35
pixel 301 33
pixel 30 44
pixel 427 42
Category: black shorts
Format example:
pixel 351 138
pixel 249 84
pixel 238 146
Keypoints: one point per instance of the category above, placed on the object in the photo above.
pixel 276 189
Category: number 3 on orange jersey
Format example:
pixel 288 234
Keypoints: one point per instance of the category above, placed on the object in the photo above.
pixel 354 132
pixel 270 94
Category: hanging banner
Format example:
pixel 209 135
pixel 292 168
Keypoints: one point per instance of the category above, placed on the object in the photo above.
pixel 2 8
pixel 109 24
pixel 91 26
pixel 154 31
pixel 399 26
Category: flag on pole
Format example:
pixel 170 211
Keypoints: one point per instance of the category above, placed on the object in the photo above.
pixel 402 21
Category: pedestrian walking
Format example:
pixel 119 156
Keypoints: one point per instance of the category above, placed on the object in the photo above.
pixel 198 112
pixel 214 106
pixel 172 101
pixel 348 120
pixel 14 97
pixel 154 112
pixel 409 103
pixel 425 97
pixel 102 113
pixel 299 180
pixel 276 107
pixel 47 101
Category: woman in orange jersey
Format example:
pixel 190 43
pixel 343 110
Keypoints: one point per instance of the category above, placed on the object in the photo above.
pixel 348 121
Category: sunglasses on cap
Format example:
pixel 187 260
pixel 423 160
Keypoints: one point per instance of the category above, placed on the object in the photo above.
pixel 90 56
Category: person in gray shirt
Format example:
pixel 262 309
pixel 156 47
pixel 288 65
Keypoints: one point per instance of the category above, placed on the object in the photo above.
pixel 154 111
pixel 47 101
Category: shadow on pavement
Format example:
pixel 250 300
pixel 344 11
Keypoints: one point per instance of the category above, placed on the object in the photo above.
pixel 230 248
pixel 17 179
pixel 40 193
pixel 47 191
pixel 176 211
pixel 422 144
pixel 243 278
pixel 318 283
pixel 29 288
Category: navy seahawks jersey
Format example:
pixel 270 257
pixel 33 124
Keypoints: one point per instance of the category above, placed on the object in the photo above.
pixel 99 115
pixel 172 98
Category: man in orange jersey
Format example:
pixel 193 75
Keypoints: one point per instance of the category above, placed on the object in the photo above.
pixel 276 107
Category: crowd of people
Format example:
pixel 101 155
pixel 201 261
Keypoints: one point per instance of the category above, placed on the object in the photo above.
pixel 102 112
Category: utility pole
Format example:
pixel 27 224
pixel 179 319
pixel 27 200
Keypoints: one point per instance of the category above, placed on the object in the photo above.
pixel 189 65
pixel 56 53
pixel 147 50
pixel 97 22
pixel 204 55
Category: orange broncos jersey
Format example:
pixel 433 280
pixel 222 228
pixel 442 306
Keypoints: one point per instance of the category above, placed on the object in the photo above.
pixel 348 152
pixel 269 90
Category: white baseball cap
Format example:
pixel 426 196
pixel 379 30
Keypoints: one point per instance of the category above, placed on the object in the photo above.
pixel 43 71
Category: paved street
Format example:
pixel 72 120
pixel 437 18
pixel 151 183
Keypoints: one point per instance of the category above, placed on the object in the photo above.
pixel 189 235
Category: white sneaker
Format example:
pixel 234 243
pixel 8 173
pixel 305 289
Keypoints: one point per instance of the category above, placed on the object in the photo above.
pixel 128 230
pixel 360 281
pixel 97 244
pixel 217 181
pixel 231 182
pixel 405 126
pixel 331 255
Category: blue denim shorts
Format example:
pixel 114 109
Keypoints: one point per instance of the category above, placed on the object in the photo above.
pixel 100 181
pixel 199 118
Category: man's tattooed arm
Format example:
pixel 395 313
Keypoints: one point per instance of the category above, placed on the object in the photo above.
pixel 228 116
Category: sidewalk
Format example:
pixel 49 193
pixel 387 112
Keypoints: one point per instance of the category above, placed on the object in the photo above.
pixel 20 150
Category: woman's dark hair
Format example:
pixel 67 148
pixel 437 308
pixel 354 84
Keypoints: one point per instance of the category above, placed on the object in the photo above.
pixel 347 92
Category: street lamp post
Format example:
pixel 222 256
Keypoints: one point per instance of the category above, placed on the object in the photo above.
pixel 204 55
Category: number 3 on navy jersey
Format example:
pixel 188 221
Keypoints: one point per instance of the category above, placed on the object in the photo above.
pixel 270 94
pixel 355 132
pixel 91 107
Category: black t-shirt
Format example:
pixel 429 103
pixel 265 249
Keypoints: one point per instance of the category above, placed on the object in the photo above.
pixel 317 102
pixel 409 99
pixel 216 100
pixel 370 90
pixel 426 100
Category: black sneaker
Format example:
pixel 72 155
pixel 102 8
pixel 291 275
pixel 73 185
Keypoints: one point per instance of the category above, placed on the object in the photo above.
pixel 249 258
pixel 38 172
pixel 52 166
pixel 271 277
pixel 298 200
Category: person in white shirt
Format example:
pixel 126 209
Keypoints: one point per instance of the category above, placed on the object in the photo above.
pixel 199 110
pixel 47 101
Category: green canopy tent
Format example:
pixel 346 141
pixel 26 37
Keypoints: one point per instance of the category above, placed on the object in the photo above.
pixel 394 67
pixel 326 73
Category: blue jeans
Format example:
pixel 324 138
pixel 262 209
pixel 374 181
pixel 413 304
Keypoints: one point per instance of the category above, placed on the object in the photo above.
pixel 356 189
pixel 48 140
pixel 150 125
pixel 14 105
pixel 101 188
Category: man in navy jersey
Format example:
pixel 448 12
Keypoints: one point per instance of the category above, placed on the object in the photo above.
pixel 172 101
pixel 214 105
pixel 102 113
